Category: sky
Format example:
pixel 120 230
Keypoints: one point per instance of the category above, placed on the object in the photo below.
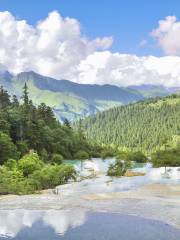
pixel 117 42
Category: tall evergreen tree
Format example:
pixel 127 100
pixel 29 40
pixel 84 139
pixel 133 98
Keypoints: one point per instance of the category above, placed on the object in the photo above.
pixel 25 96
pixel 67 123
pixel 145 126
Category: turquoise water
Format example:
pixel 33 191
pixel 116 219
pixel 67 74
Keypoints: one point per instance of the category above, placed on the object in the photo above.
pixel 78 225
pixel 105 184
pixel 100 165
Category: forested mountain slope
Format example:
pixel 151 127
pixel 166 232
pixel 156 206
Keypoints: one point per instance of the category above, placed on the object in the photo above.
pixel 68 99
pixel 148 125
pixel 24 127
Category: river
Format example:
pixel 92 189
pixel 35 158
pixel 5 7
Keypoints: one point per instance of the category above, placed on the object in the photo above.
pixel 128 208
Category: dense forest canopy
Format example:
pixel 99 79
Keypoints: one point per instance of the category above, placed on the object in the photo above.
pixel 24 127
pixel 33 144
pixel 145 126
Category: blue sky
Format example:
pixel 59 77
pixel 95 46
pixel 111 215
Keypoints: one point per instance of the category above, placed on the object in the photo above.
pixel 128 21
pixel 80 48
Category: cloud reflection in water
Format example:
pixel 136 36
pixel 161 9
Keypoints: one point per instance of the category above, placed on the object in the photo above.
pixel 12 222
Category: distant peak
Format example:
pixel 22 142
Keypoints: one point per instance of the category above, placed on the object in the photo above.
pixel 28 73
pixel 5 74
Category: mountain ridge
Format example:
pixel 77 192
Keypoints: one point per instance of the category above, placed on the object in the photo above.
pixel 69 99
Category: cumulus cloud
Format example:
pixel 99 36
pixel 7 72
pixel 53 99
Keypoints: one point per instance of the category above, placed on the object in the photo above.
pixel 57 47
pixel 54 47
pixel 168 35
pixel 125 69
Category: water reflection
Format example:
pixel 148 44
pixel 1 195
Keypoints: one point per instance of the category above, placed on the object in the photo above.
pixel 70 225
pixel 12 222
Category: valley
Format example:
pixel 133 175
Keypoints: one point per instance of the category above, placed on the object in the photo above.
pixel 72 100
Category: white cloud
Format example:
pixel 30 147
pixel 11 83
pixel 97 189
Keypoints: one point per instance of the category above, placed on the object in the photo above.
pixel 168 35
pixel 56 47
pixel 125 69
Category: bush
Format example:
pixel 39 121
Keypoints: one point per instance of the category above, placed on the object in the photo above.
pixel 29 163
pixel 13 182
pixel 169 158
pixel 11 164
pixel 105 153
pixel 81 155
pixel 138 157
pixel 57 159
pixel 119 168
pixel 121 155
pixel 52 175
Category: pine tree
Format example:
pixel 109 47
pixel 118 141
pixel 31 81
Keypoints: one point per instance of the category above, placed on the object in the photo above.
pixel 15 101
pixel 67 123
pixel 4 98
pixel 25 96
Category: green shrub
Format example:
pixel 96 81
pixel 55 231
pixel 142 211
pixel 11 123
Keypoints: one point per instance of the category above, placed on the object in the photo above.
pixel 52 175
pixel 105 153
pixel 81 155
pixel 169 158
pixel 57 159
pixel 11 164
pixel 119 168
pixel 138 157
pixel 29 163
pixel 13 182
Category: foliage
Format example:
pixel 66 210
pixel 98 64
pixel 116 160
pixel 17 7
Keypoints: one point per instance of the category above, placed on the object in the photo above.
pixel 29 174
pixel 52 175
pixel 57 158
pixel 138 157
pixel 7 148
pixel 33 144
pixel 167 158
pixel 144 126
pixel 119 168
pixel 29 163
pixel 107 152
pixel 13 182
pixel 24 127
pixel 81 155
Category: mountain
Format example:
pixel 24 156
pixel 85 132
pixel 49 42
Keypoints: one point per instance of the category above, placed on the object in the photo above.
pixel 148 125
pixel 72 100
pixel 68 99
pixel 151 91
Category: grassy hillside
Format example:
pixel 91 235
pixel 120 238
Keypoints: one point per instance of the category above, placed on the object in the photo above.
pixel 148 125
pixel 69 100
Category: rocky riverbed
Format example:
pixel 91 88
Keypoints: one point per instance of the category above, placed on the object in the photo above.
pixel 150 196
pixel 154 201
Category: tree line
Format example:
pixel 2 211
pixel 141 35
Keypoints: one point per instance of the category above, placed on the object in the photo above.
pixel 25 127
pixel 33 144
pixel 146 126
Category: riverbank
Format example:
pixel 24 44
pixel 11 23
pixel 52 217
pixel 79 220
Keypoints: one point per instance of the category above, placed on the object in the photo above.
pixel 154 201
